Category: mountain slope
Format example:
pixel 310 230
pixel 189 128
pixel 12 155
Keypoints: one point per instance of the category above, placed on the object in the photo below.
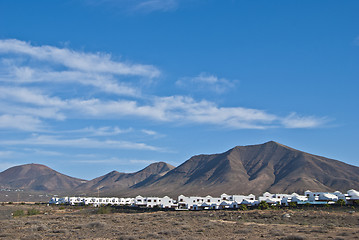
pixel 115 181
pixel 37 177
pixel 255 169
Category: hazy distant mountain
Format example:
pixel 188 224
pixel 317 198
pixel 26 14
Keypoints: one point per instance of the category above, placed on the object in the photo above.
pixel 255 169
pixel 37 177
pixel 115 181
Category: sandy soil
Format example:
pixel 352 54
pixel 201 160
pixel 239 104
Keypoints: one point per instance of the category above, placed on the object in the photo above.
pixel 56 222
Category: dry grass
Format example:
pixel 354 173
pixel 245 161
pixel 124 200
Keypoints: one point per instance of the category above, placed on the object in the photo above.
pixel 85 223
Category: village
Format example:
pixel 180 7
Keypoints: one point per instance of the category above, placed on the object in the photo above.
pixel 225 201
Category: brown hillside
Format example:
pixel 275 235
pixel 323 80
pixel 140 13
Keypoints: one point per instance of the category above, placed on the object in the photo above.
pixel 255 169
pixel 37 177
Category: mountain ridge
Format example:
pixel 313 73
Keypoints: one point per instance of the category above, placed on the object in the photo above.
pixel 270 166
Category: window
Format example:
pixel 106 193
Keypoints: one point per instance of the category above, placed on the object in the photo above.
pixel 181 200
pixel 149 200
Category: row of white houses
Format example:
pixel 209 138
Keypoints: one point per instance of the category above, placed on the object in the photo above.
pixel 225 201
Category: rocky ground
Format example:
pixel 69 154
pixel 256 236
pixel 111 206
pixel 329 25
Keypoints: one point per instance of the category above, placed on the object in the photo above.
pixel 58 222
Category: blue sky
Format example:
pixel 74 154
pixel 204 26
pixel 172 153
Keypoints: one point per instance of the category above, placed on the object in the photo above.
pixel 87 87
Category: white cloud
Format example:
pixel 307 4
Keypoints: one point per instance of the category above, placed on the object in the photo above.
pixel 206 82
pixel 155 5
pixel 20 122
pixel 4 154
pixel 138 6
pixel 295 121
pixel 87 62
pixel 102 82
pixel 178 109
pixel 29 96
pixel 102 131
pixel 26 107
pixel 149 132
pixel 43 152
pixel 43 140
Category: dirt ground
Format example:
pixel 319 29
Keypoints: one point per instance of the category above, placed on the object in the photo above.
pixel 58 222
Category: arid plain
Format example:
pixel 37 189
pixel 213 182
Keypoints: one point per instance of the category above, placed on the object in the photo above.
pixel 66 222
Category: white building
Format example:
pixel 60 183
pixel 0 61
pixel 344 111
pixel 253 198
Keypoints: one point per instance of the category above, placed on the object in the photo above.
pixel 191 203
pixel 225 201
pixel 167 202
pixel 327 197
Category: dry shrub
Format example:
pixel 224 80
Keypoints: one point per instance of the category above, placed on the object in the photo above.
pixel 127 238
pixel 153 236
pixel 32 237
pixel 63 231
pixel 293 237
pixel 41 228
pixel 97 225
pixel 242 231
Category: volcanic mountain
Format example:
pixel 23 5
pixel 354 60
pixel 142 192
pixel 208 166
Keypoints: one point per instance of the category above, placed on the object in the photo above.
pixel 116 181
pixel 37 177
pixel 241 170
pixel 254 169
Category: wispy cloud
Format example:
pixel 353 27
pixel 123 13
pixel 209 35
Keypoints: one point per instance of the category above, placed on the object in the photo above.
pixel 166 109
pixel 206 82
pixel 101 81
pixel 87 62
pixel 20 122
pixel 101 131
pixel 138 6
pixel 115 160
pixel 44 140
pixel 26 105
pixel 293 120
pixel 155 5
pixel 4 154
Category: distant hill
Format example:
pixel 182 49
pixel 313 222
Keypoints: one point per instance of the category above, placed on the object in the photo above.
pixel 116 181
pixel 254 169
pixel 37 177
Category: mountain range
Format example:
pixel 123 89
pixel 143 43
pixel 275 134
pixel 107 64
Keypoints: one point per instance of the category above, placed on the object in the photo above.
pixel 253 169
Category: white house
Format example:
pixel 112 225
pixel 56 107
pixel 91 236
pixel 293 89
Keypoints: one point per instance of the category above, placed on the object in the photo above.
pixel 321 197
pixel 191 203
pixel 153 202
pixel 167 202
pixel 294 197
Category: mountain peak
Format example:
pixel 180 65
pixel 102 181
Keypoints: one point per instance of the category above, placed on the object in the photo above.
pixel 37 177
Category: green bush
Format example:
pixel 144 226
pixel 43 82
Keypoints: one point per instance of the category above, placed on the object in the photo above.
pixel 33 211
pixel 18 213
pixel 103 210
pixel 340 202
pixel 263 205
pixel 242 207
pixel 292 204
